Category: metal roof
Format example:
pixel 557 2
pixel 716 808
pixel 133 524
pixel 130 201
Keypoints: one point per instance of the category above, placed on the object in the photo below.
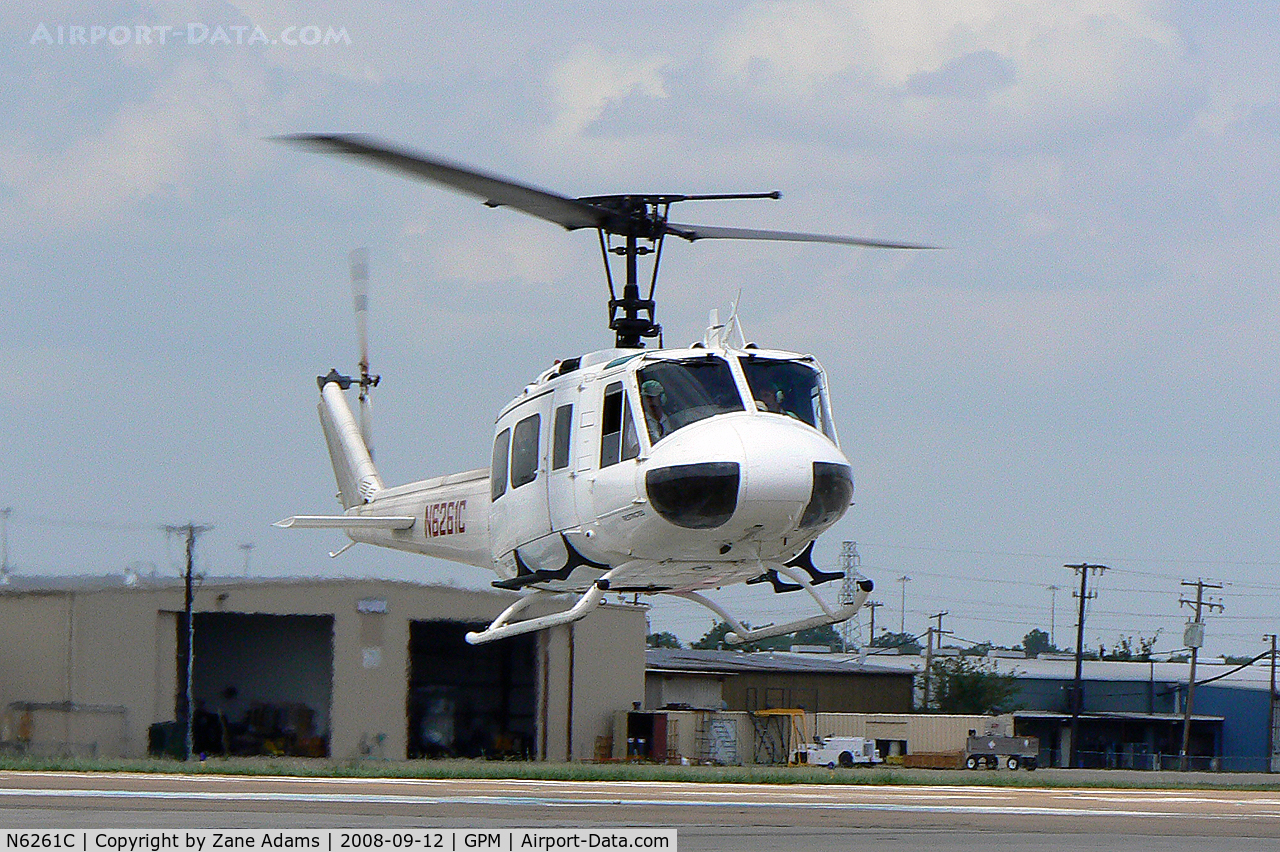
pixel 740 662
pixel 1165 674
pixel 1062 668
pixel 1172 718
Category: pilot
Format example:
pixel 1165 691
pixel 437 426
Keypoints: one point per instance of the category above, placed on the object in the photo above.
pixel 776 399
pixel 652 396
pixel 770 400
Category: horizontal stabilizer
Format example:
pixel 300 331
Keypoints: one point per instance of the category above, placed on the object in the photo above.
pixel 346 522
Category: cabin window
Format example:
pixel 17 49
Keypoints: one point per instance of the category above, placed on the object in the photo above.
pixel 498 473
pixel 788 388
pixel 524 451
pixel 676 393
pixel 618 441
pixel 562 431
pixel 630 443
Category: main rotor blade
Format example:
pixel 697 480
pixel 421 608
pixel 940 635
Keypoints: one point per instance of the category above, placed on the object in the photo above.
pixel 492 190
pixel 692 233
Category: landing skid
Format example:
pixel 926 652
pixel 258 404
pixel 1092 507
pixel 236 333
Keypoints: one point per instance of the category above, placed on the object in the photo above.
pixel 740 633
pixel 502 626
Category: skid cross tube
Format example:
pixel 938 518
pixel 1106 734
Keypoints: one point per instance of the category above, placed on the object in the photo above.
pixel 740 633
pixel 502 626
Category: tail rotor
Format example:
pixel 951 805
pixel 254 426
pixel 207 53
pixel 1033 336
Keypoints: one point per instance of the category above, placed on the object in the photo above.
pixel 360 295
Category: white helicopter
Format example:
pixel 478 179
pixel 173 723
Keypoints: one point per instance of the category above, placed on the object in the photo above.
pixel 663 471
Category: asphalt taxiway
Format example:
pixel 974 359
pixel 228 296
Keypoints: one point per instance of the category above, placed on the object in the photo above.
pixel 707 816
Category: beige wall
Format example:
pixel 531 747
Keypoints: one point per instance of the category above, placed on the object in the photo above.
pixel 608 664
pixel 96 653
pixel 922 732
pixel 595 668
pixel 700 691
pixel 853 692
pixel 117 648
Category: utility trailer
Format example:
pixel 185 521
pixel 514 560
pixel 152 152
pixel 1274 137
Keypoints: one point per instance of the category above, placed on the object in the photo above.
pixel 989 751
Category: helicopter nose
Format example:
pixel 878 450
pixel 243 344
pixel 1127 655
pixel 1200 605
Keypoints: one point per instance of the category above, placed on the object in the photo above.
pixel 695 496
pixel 796 479
pixel 832 493
pixel 776 476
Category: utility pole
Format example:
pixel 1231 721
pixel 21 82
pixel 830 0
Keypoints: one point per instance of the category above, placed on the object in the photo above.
pixel 187 653
pixel 873 606
pixel 1271 707
pixel 1053 618
pixel 928 658
pixel 1075 698
pixel 1193 638
pixel 902 624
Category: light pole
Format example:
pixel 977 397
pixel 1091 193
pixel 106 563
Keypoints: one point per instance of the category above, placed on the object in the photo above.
pixel 248 549
pixel 902 623
pixel 4 543
pixel 1053 618
pixel 1271 708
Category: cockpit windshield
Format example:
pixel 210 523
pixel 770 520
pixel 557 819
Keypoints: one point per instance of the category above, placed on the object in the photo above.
pixel 676 393
pixel 789 388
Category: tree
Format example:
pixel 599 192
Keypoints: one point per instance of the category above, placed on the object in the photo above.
pixel 1124 649
pixel 904 642
pixel 713 640
pixel 970 686
pixel 664 639
pixel 824 634
pixel 1037 642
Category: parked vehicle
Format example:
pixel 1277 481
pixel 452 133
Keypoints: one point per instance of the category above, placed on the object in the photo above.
pixel 837 751
pixel 989 751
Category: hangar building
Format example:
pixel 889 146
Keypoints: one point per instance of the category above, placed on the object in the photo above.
pixel 337 667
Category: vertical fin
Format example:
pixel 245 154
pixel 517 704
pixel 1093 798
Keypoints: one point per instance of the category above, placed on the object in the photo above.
pixel 358 480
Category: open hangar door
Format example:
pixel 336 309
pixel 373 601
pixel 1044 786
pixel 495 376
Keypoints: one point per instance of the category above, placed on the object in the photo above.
pixel 470 700
pixel 262 684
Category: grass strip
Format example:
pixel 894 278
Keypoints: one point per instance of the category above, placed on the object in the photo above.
pixel 637 772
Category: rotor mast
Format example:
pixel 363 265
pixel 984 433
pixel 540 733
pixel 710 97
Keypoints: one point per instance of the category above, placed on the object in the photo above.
pixel 638 218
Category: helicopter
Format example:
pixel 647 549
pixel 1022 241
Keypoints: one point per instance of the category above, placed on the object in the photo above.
pixel 653 471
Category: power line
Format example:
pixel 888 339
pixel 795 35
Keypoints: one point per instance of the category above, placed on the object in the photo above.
pixel 1130 560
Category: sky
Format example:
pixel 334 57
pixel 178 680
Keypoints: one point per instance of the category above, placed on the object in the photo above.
pixel 1087 372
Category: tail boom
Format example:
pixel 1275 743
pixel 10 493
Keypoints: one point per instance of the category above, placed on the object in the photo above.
pixel 446 517
pixel 358 480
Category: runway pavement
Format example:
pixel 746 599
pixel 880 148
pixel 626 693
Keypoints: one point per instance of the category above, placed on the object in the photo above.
pixel 708 816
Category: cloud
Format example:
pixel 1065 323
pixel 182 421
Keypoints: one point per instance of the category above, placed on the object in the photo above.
pixel 973 75
pixel 904 68
pixel 589 79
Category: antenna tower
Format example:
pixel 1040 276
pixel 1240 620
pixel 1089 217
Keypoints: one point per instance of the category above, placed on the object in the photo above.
pixel 851 565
